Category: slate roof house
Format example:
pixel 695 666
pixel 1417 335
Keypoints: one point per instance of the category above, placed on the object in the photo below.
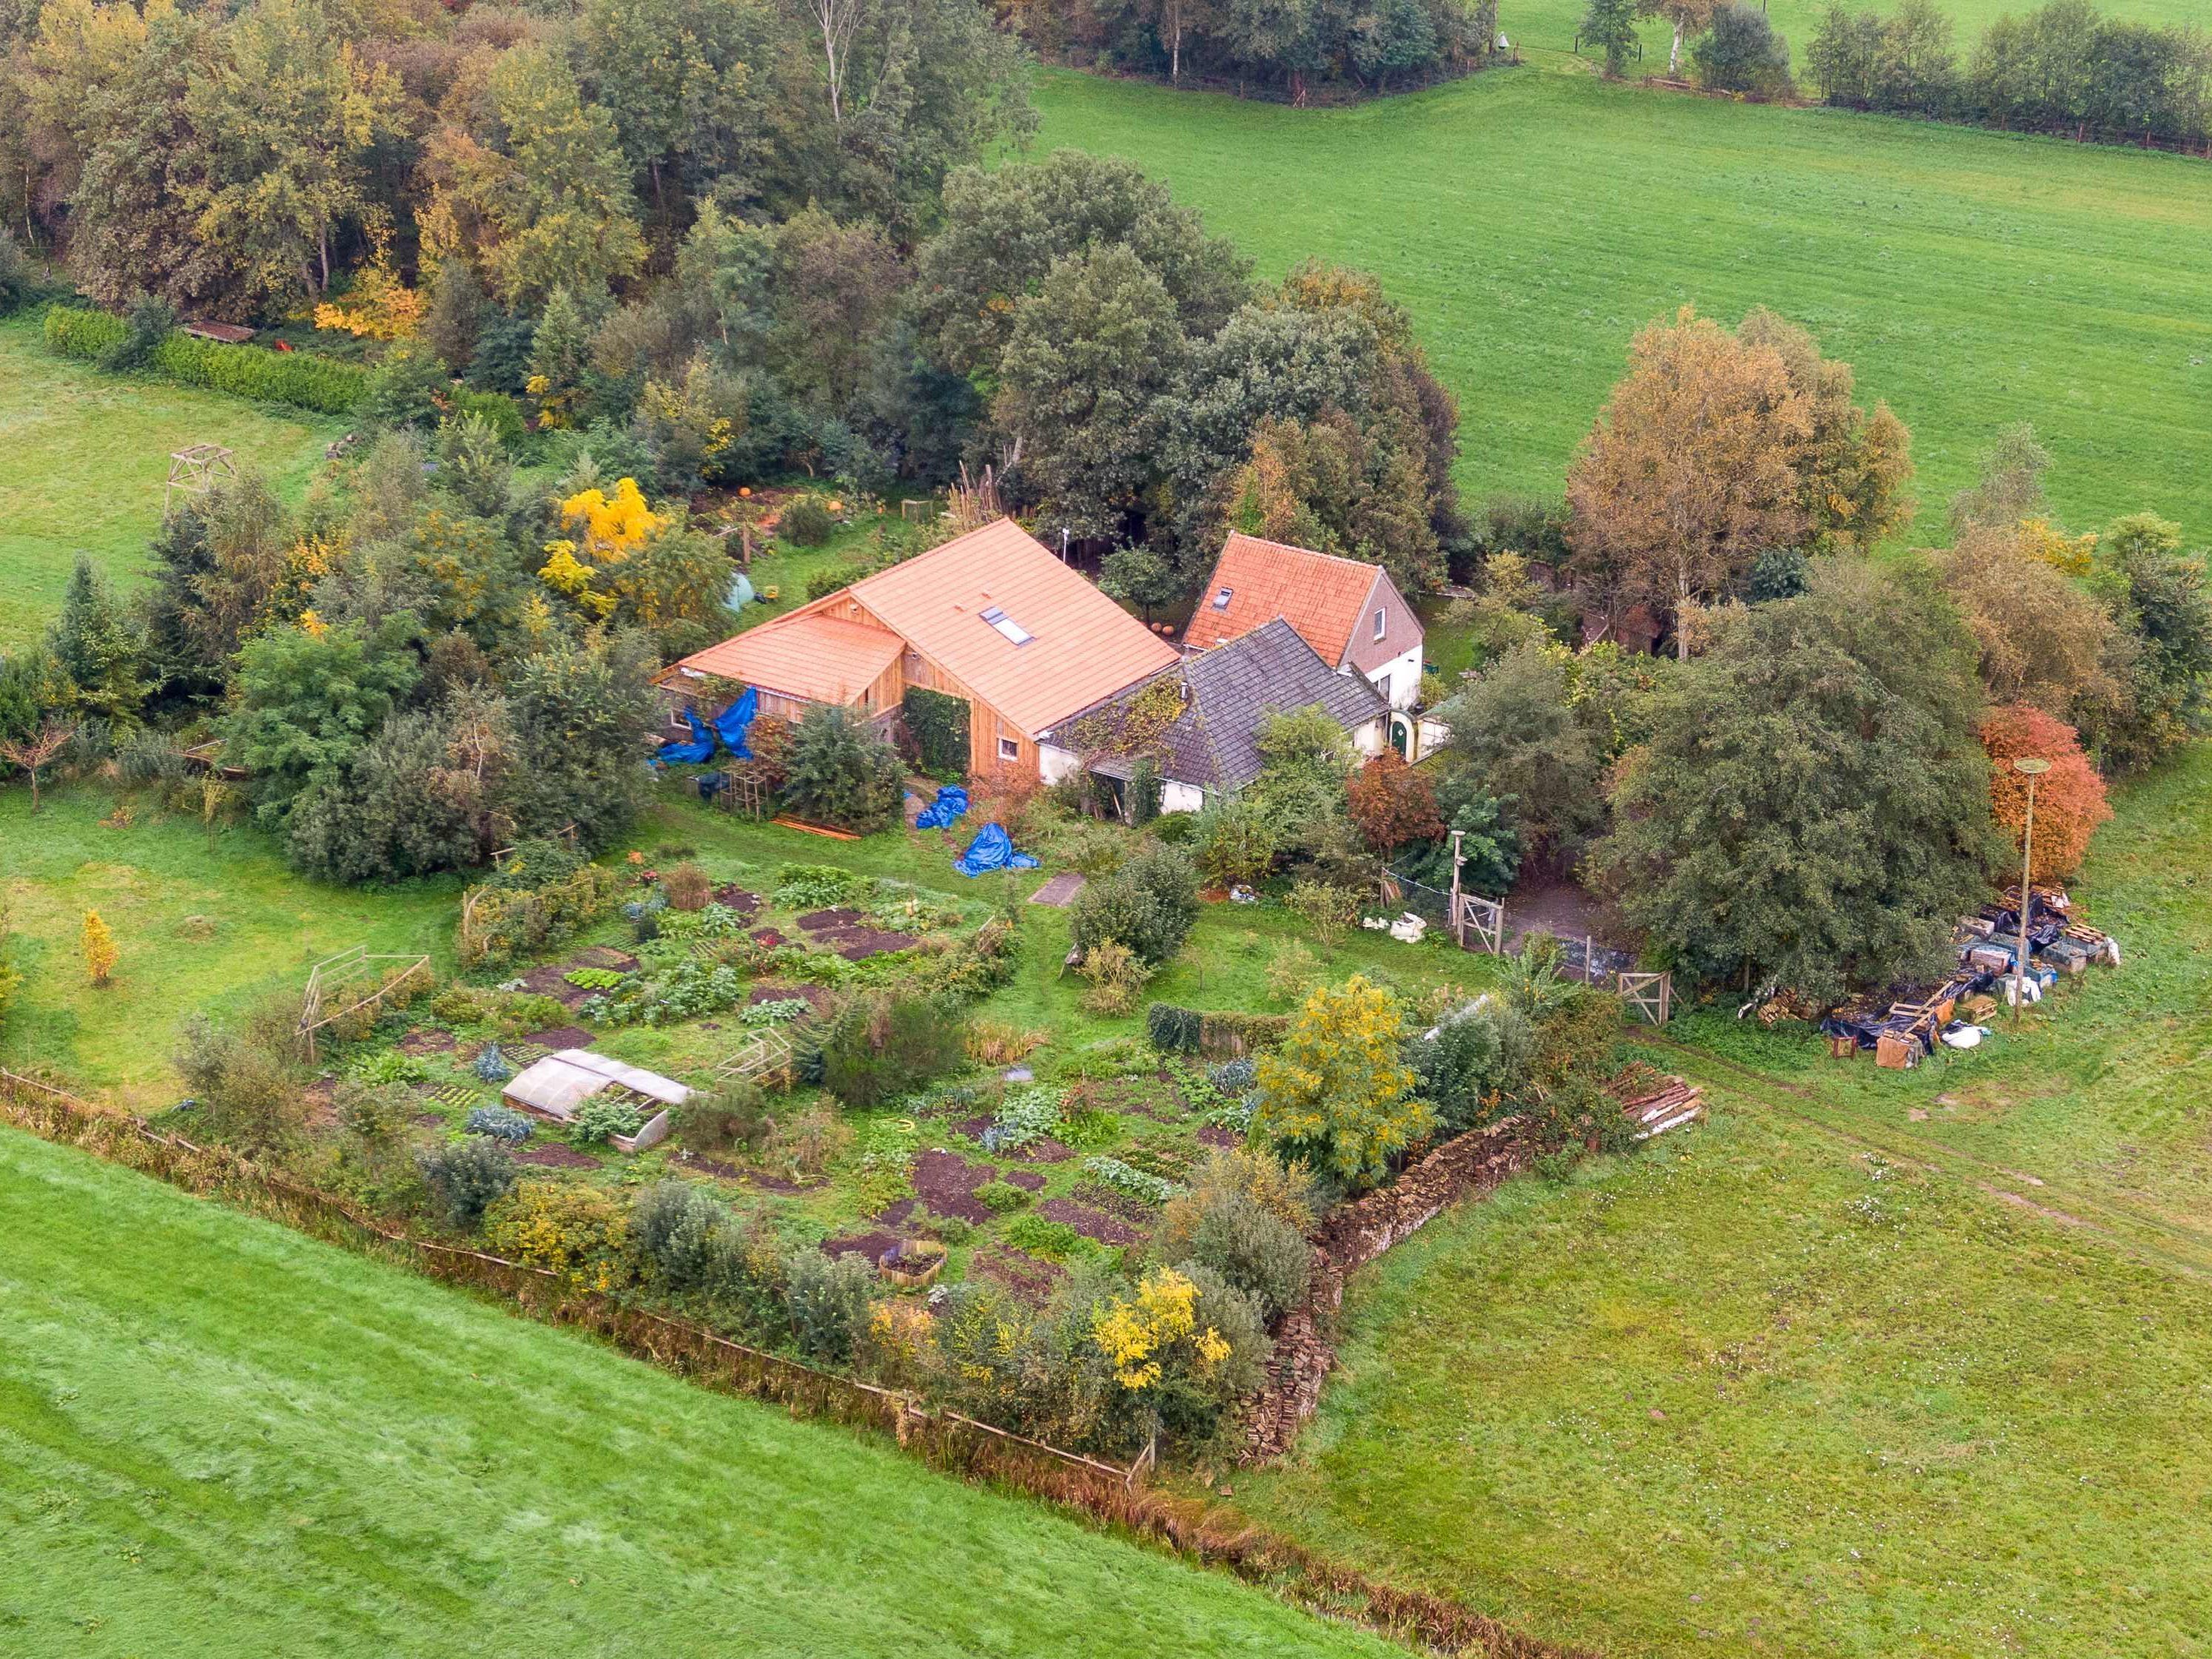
pixel 992 617
pixel 1211 747
pixel 1351 614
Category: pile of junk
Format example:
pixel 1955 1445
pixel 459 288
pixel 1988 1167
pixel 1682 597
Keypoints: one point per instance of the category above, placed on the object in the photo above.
pixel 1902 1026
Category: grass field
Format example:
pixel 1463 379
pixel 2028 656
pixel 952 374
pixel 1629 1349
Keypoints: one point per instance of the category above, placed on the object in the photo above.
pixel 1755 1394
pixel 197 928
pixel 87 456
pixel 1532 219
pixel 222 1438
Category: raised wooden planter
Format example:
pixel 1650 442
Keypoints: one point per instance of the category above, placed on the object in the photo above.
pixel 913 1266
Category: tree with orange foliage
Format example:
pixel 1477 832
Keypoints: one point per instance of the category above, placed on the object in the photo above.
pixel 1393 804
pixel 2070 798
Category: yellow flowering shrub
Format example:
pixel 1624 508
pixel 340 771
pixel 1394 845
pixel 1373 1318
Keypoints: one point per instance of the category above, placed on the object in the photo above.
pixel 379 307
pixel 612 526
pixel 576 1232
pixel 1137 1335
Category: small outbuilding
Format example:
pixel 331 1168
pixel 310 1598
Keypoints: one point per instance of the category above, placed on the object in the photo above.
pixel 557 1086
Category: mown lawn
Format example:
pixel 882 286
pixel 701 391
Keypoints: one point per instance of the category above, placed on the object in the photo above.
pixel 222 1438
pixel 88 454
pixel 199 926
pixel 1531 219
pixel 1754 1393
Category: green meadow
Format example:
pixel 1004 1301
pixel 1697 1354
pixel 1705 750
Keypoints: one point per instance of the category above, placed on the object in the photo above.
pixel 88 456
pixel 1532 219
pixel 217 1437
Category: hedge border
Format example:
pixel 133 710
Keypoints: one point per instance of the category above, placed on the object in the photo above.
pixel 298 380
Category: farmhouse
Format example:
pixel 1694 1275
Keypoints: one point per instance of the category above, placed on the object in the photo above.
pixel 1211 746
pixel 1350 613
pixel 991 617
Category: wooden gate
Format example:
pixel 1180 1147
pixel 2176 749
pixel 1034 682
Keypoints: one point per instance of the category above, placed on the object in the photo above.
pixel 1485 920
pixel 1649 997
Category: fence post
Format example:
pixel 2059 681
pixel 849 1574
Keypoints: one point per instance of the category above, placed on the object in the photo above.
pixel 1458 927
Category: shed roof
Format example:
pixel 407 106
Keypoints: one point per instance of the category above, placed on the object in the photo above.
pixel 1068 647
pixel 1231 689
pixel 1321 595
pixel 558 1084
pixel 808 655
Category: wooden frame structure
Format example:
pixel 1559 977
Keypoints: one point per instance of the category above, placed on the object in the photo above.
pixel 1484 918
pixel 1649 997
pixel 193 471
pixel 764 1057
pixel 337 977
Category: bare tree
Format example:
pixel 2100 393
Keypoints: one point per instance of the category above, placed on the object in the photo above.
pixel 36 750
pixel 839 20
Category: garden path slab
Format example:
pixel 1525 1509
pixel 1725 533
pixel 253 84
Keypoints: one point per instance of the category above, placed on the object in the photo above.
pixel 1060 888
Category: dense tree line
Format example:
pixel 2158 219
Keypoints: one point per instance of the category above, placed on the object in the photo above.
pixel 2065 68
pixel 1283 47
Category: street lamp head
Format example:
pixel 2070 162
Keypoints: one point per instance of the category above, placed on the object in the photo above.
pixel 2034 768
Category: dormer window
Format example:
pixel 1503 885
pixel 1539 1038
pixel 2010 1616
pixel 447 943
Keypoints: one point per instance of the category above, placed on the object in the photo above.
pixel 1382 621
pixel 1008 628
pixel 1221 599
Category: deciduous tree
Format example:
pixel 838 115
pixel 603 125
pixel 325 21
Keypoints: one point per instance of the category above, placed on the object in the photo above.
pixel 1809 809
pixel 1338 1091
pixel 1692 469
pixel 2069 797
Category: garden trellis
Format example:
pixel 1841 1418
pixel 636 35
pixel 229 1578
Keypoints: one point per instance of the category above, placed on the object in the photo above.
pixel 338 978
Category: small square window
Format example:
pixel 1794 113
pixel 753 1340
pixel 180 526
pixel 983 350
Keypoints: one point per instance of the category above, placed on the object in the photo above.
pixel 1382 621
pixel 1010 748
pixel 1007 627
pixel 676 720
pixel 1221 599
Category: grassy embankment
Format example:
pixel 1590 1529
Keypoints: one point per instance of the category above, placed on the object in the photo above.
pixel 220 1438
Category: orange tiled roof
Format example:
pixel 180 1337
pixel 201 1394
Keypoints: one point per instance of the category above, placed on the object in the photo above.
pixel 1319 594
pixel 806 654
pixel 1082 646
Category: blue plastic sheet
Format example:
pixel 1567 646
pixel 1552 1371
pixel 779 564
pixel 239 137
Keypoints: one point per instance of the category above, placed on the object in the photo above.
pixel 733 722
pixel 992 850
pixel 699 750
pixel 952 802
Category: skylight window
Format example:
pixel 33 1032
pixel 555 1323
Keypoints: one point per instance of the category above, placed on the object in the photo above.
pixel 1007 627
pixel 1221 599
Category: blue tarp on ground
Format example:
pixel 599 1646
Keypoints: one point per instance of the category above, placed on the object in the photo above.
pixel 950 802
pixel 733 722
pixel 700 749
pixel 993 849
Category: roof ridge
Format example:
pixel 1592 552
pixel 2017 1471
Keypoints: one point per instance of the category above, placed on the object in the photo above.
pixel 1310 552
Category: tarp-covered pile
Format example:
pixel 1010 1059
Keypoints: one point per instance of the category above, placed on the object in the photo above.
pixel 697 752
pixel 952 802
pixel 992 850
pixel 728 731
pixel 1902 1026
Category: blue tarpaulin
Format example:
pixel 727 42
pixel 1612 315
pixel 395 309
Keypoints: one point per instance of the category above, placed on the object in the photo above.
pixel 993 849
pixel 700 749
pixel 733 723
pixel 950 802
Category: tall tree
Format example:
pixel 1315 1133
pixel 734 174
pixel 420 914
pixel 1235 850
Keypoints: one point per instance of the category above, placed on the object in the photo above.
pixel 290 116
pixel 1693 469
pixel 1685 17
pixel 305 704
pixel 98 645
pixel 1089 364
pixel 1810 810
pixel 1611 25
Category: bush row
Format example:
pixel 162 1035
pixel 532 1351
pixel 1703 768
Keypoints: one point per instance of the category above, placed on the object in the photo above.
pixel 298 378
pixel 1223 1034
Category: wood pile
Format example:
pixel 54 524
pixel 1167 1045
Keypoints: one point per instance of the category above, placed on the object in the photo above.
pixel 1668 1105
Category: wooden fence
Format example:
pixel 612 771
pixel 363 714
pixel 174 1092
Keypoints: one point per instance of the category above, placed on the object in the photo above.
pixel 1206 1532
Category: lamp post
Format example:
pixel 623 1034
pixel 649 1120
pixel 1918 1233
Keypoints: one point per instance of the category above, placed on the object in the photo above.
pixel 2030 769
